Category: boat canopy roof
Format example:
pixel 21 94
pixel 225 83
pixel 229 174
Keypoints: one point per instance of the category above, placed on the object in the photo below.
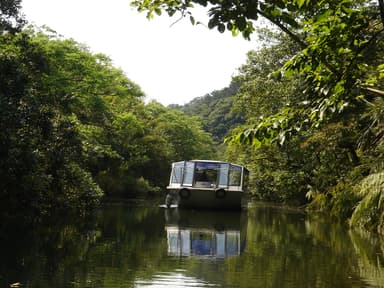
pixel 210 163
pixel 208 173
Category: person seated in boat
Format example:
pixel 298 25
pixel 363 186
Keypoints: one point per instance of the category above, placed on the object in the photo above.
pixel 203 177
pixel 202 180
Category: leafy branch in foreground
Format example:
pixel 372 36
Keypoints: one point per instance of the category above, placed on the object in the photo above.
pixel 339 40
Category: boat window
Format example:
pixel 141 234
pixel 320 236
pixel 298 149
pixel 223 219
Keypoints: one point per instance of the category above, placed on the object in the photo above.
pixel 233 243
pixel 220 244
pixel 188 173
pixel 235 175
pixel 202 179
pixel 178 242
pixel 177 172
pixel 206 174
pixel 223 175
pixel 202 243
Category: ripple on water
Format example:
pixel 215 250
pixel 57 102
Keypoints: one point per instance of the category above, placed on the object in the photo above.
pixel 175 279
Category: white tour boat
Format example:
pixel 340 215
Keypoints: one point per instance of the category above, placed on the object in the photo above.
pixel 207 184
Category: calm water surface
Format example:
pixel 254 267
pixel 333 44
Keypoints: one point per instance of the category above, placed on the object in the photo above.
pixel 131 245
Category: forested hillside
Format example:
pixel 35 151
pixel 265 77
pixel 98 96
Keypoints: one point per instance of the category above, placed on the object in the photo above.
pixel 215 111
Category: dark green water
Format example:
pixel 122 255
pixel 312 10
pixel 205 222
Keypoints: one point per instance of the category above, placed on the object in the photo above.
pixel 141 245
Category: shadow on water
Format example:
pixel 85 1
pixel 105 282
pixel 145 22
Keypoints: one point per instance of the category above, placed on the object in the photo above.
pixel 138 244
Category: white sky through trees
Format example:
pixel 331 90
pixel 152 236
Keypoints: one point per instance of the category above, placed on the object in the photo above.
pixel 171 63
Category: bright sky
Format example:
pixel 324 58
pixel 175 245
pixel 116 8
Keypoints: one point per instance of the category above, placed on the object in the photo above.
pixel 171 63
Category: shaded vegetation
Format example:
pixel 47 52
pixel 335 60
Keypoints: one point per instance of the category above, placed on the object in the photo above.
pixel 215 111
pixel 75 128
pixel 323 167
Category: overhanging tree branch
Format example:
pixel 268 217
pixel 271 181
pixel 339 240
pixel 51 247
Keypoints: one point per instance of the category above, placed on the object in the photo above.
pixel 374 91
pixel 296 38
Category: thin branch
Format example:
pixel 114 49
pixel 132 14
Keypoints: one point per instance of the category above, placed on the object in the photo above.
pixel 296 38
pixel 178 20
pixel 374 91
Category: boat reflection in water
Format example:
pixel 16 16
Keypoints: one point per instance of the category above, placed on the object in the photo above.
pixel 208 234
pixel 196 242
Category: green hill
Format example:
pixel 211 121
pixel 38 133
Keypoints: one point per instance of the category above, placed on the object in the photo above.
pixel 215 111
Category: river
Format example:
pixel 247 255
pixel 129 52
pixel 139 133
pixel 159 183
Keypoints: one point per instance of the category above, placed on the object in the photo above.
pixel 139 244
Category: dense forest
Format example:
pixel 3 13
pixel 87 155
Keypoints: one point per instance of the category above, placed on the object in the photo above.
pixel 305 113
pixel 74 128
pixel 216 112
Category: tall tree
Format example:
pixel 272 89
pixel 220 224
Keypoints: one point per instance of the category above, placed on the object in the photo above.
pixel 10 18
pixel 40 165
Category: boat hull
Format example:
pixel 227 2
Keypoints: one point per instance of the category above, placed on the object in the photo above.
pixel 208 198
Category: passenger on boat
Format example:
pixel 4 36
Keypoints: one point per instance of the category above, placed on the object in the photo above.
pixel 203 177
pixel 202 180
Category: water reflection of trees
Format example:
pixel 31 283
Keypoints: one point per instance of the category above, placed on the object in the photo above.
pixel 82 252
pixel 44 255
pixel 371 256
pixel 287 249
pixel 122 244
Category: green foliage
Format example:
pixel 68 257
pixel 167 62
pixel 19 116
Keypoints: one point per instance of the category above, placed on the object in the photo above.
pixel 331 154
pixel 236 17
pixel 73 127
pixel 319 167
pixel 184 134
pixel 264 91
pixel 269 100
pixel 338 203
pixel 216 111
pixel 334 72
pixel 343 201
pixel 276 172
pixel 10 18
pixel 370 211
pixel 321 99
pixel 41 148
pixel 339 51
